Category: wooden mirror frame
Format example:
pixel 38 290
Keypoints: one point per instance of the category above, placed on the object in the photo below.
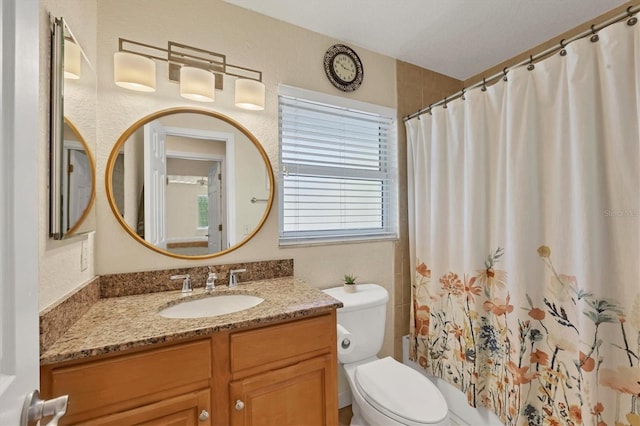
pixel 184 110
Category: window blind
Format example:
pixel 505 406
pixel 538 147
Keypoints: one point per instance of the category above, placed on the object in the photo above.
pixel 339 173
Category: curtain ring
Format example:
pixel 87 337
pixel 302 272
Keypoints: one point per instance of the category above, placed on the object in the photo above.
pixel 632 19
pixel 563 51
pixel 429 110
pixel 531 66
pixel 504 72
pixel 444 105
pixel 463 92
pixel 595 37
pixel 484 85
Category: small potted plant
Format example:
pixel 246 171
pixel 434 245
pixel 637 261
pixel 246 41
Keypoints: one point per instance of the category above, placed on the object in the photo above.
pixel 349 283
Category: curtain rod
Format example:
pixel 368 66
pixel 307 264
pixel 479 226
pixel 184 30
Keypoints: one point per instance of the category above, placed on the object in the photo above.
pixel 629 13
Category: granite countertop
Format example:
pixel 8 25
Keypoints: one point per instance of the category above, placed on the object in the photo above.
pixel 121 323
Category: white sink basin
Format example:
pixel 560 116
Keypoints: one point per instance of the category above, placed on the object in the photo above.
pixel 211 306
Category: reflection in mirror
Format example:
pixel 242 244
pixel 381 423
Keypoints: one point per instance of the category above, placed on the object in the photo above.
pixel 189 183
pixel 72 170
pixel 78 180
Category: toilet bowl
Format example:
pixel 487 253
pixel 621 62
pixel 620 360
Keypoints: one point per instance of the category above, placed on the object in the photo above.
pixel 384 391
pixel 389 393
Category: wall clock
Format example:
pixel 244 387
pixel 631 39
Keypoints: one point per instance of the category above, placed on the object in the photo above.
pixel 343 67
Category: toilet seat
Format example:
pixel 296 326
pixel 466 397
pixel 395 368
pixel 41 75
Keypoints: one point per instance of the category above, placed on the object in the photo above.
pixel 400 393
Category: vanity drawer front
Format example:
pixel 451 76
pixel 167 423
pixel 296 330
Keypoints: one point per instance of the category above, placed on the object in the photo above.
pixel 115 383
pixel 281 344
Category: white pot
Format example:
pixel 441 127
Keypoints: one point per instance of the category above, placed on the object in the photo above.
pixel 350 288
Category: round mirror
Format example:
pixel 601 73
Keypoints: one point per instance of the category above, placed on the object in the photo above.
pixel 189 183
pixel 78 180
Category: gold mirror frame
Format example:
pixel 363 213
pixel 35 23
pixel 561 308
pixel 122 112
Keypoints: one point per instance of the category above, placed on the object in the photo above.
pixel 147 119
pixel 92 165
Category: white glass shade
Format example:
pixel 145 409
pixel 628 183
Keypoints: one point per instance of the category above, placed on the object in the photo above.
pixel 134 72
pixel 197 84
pixel 72 60
pixel 249 94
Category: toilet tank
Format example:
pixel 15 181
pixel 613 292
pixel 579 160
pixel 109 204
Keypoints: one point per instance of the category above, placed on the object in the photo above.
pixel 363 316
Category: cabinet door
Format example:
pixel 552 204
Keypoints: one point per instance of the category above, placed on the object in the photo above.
pixel 184 410
pixel 301 394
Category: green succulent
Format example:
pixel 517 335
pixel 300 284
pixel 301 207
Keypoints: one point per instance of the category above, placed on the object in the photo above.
pixel 349 279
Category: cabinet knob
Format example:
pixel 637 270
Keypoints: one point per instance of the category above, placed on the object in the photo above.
pixel 204 416
pixel 239 405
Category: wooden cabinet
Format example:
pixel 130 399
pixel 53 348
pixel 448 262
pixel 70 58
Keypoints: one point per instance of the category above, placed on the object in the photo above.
pixel 294 395
pixel 283 374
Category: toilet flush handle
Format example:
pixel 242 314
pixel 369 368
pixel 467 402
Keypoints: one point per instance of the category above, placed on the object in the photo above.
pixel 345 343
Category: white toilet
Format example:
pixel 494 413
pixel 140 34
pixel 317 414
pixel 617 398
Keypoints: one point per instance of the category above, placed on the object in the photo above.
pixel 384 391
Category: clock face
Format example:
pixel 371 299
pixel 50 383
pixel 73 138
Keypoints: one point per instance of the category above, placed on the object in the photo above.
pixel 343 67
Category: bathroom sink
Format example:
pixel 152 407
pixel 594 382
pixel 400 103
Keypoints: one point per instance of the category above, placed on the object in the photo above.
pixel 211 306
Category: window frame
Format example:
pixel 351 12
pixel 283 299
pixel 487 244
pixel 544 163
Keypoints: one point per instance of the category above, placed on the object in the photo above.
pixel 388 178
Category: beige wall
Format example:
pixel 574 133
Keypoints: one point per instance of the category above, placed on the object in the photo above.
pixel 287 55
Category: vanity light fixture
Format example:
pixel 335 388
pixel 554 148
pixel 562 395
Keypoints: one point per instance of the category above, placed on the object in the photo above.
pixel 198 71
pixel 134 72
pixel 249 94
pixel 72 60
pixel 197 84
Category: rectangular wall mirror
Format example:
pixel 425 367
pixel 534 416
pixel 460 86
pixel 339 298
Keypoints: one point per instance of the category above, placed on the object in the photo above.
pixel 72 132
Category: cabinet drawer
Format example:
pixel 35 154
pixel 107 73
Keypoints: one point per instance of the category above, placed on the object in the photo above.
pixel 120 380
pixel 278 344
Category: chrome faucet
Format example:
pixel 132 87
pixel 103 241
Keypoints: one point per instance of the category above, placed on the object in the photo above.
pixel 233 279
pixel 186 282
pixel 211 281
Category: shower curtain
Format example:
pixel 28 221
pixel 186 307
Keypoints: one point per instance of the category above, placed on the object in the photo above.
pixel 524 213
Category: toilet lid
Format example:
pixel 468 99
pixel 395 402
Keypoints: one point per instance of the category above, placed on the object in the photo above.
pixel 400 392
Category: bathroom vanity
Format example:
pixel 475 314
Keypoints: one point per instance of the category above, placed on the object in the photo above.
pixel 275 363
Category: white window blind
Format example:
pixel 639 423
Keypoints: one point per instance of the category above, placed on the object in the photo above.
pixel 338 172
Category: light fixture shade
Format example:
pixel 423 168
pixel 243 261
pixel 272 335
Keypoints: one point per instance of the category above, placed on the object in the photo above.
pixel 197 84
pixel 249 94
pixel 72 60
pixel 134 72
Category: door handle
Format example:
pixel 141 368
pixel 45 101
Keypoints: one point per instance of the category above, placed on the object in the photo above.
pixel 35 409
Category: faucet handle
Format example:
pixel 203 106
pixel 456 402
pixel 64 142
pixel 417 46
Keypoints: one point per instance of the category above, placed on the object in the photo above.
pixel 186 282
pixel 233 279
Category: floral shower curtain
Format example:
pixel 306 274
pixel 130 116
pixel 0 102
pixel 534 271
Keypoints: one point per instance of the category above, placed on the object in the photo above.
pixel 524 211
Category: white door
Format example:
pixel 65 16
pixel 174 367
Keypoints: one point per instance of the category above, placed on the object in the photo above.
pixel 155 180
pixel 19 231
pixel 76 186
pixel 215 218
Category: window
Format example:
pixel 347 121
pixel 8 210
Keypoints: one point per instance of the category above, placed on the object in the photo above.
pixel 338 169
pixel 203 211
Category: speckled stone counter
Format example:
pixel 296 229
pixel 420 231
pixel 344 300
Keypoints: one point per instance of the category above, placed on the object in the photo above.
pixel 121 323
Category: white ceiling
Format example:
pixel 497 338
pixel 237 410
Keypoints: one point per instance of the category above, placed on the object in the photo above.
pixel 458 38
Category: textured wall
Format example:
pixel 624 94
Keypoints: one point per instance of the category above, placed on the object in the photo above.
pixel 287 55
